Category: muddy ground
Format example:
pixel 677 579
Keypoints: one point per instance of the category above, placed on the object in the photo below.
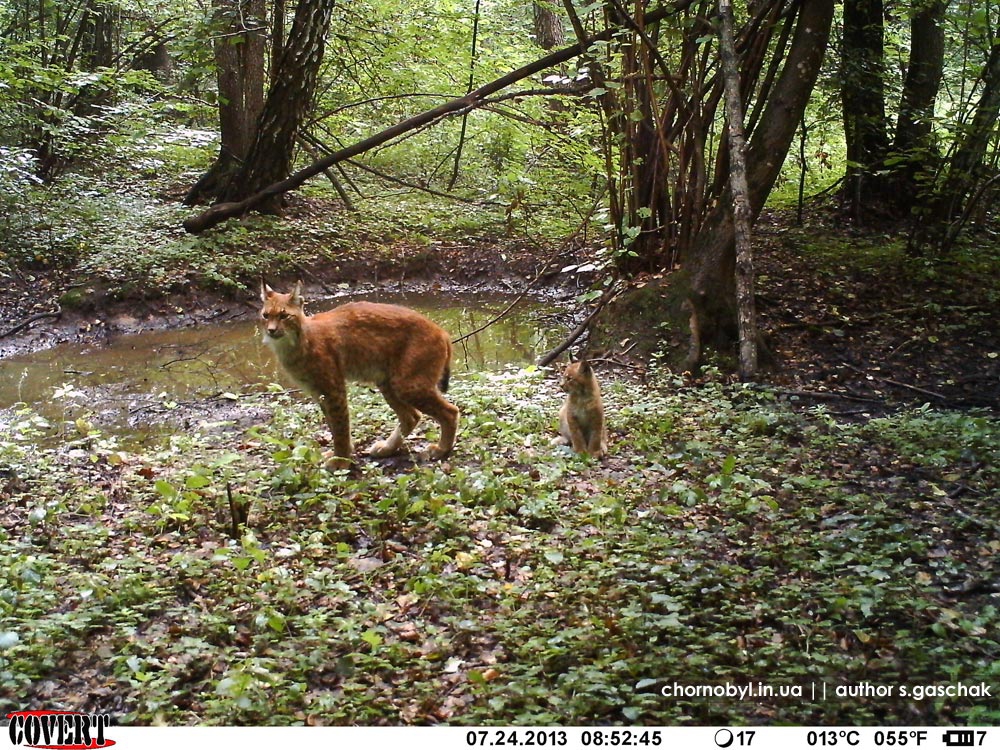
pixel 858 338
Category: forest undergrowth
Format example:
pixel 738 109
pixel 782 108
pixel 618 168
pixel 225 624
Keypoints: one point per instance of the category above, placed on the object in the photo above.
pixel 729 539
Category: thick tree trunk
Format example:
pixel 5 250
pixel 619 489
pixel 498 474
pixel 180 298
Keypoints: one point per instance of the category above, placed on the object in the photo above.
pixel 923 77
pixel 547 25
pixel 863 97
pixel 914 153
pixel 288 100
pixel 239 62
pixel 711 266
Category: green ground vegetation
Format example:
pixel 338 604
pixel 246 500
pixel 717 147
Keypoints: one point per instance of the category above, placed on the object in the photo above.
pixel 731 537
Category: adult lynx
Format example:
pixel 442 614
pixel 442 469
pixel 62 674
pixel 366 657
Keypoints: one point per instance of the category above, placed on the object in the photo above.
pixel 402 353
pixel 581 419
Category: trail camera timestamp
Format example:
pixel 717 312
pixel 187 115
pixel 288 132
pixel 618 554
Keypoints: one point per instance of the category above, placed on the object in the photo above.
pixel 561 738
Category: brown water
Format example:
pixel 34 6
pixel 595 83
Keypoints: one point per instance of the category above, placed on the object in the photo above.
pixel 138 380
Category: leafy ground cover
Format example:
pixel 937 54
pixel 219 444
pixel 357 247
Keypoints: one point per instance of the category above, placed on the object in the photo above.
pixel 729 538
pixel 853 313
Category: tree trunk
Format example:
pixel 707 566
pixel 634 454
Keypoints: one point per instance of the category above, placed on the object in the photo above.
pixel 239 63
pixel 277 33
pixel 914 153
pixel 710 271
pixel 923 77
pixel 548 25
pixel 863 98
pixel 288 100
pixel 746 314
pixel 98 33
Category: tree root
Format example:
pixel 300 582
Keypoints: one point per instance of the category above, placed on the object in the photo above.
pixel 57 313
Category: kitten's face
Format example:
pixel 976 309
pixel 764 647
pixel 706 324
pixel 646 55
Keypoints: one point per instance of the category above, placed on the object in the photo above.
pixel 578 378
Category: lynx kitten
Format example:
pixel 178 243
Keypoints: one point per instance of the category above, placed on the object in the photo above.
pixel 581 419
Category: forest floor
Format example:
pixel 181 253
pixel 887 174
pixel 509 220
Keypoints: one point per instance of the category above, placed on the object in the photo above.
pixel 833 528
pixel 853 318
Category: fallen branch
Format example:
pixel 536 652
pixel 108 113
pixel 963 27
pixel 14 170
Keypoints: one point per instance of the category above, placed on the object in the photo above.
pixel 57 313
pixel 310 145
pixel 820 395
pixel 550 357
pixel 897 383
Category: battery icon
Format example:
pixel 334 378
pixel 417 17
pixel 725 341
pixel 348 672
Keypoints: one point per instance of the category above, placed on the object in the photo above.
pixel 959 738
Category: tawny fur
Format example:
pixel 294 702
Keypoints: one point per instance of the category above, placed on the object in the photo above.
pixel 581 419
pixel 405 355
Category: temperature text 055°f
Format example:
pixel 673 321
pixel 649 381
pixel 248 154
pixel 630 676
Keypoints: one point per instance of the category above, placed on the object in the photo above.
pixel 900 737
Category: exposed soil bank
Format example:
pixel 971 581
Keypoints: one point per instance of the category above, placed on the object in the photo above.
pixel 55 308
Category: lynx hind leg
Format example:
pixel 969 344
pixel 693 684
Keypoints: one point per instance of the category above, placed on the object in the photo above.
pixel 448 419
pixel 408 419
pixel 434 405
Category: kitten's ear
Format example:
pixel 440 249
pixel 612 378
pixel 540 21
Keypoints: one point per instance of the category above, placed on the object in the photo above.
pixel 297 294
pixel 265 290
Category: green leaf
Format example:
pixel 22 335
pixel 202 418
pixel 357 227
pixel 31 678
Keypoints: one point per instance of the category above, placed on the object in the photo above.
pixel 164 488
pixel 372 638
pixel 197 481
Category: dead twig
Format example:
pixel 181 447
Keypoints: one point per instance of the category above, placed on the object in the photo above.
pixel 413 186
pixel 57 313
pixel 549 357
pixel 896 383
pixel 559 251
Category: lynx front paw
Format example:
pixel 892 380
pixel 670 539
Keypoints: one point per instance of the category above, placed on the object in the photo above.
pixel 384 448
pixel 334 462
pixel 436 451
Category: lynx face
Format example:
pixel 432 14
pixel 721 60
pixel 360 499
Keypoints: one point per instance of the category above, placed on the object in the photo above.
pixel 578 379
pixel 281 313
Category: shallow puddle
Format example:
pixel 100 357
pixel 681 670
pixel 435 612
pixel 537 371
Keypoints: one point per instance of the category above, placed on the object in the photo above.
pixel 139 380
